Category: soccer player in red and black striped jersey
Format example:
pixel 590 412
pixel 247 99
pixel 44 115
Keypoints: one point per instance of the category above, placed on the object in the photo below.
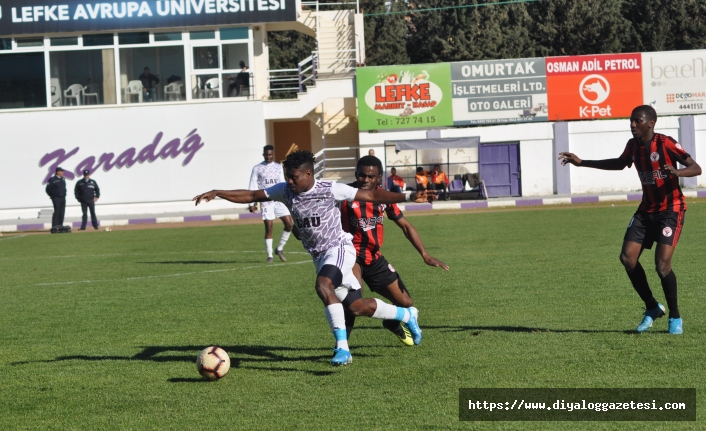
pixel 660 216
pixel 364 220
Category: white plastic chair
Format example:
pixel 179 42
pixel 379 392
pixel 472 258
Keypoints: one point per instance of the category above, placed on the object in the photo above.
pixel 134 88
pixel 173 89
pixel 212 86
pixel 91 90
pixel 73 92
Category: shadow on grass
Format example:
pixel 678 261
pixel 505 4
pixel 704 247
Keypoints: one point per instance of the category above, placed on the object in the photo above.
pixel 247 357
pixel 476 330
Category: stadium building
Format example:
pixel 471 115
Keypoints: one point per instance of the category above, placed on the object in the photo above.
pixel 72 96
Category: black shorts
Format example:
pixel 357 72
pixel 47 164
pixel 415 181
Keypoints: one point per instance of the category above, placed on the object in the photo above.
pixel 663 227
pixel 379 274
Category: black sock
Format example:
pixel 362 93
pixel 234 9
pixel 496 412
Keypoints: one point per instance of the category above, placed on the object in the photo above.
pixel 350 321
pixel 669 285
pixel 393 326
pixel 639 282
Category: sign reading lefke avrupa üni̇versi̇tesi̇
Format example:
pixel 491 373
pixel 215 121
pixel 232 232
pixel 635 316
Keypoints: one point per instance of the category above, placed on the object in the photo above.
pixel 674 81
pixel 402 97
pixel 591 87
pixel 52 16
pixel 499 91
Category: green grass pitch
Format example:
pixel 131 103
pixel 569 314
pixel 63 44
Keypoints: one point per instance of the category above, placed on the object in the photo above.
pixel 101 330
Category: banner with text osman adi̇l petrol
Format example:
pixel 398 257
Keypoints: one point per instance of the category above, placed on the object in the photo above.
pixel 404 97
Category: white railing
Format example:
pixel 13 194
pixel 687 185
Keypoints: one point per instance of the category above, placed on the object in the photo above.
pixel 321 160
pixel 316 5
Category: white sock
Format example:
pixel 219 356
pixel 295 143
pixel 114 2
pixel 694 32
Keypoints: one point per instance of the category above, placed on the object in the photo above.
pixel 385 311
pixel 268 246
pixel 283 239
pixel 337 323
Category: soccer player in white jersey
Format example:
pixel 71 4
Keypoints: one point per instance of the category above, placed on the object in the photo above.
pixel 264 175
pixel 313 205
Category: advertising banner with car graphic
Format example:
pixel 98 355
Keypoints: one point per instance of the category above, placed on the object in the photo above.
pixel 592 87
pixel 404 97
pixel 674 82
pixel 499 91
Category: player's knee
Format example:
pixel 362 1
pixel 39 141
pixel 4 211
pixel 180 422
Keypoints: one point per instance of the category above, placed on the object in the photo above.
pixel 663 268
pixel 325 290
pixel 627 261
pixel 361 307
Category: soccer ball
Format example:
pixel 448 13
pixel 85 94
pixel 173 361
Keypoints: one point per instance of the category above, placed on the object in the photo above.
pixel 213 363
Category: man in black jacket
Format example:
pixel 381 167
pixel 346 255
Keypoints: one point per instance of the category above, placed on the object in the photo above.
pixel 56 189
pixel 87 193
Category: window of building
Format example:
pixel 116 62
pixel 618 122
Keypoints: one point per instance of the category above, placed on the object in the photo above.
pixel 63 41
pixel 235 33
pixel 29 42
pixel 5 44
pixel 22 81
pixel 85 77
pixel 167 37
pixel 199 35
pixel 98 39
pixel 163 81
pixel 133 38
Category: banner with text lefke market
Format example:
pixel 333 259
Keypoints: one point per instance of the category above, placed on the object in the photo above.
pixel 404 97
pixel 674 82
pixel 499 91
pixel 591 87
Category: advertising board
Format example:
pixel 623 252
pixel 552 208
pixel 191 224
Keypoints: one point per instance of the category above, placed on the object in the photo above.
pixel 674 82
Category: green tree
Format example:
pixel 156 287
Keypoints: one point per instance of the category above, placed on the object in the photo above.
pixel 573 27
pixel 288 48
pixel 468 33
pixel 666 25
pixel 385 35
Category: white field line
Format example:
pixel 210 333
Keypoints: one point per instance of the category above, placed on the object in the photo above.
pixel 146 277
pixel 13 237
pixel 143 254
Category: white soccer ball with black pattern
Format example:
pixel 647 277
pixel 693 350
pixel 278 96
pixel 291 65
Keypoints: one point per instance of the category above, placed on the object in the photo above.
pixel 213 363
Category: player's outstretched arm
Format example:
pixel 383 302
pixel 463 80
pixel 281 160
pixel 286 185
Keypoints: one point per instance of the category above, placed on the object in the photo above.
pixel 605 164
pixel 235 196
pixel 413 236
pixel 692 169
pixel 385 197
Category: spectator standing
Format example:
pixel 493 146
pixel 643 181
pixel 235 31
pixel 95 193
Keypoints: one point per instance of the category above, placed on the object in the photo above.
pixel 148 84
pixel 87 193
pixel 422 179
pixel 439 181
pixel 56 189
pixel 395 183
pixel 371 152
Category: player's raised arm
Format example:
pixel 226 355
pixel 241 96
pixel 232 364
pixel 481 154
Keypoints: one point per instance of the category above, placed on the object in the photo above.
pixel 235 196
pixel 605 164
pixel 385 197
pixel 410 232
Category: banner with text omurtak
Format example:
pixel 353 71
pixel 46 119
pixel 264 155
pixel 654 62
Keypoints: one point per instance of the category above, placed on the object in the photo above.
pixel 591 87
pixel 499 91
pixel 404 97
pixel 674 82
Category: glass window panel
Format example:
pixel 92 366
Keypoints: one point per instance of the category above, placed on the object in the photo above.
pixel 205 86
pixel 29 42
pixel 22 81
pixel 235 56
pixel 133 38
pixel 98 39
pixel 5 44
pixel 85 77
pixel 463 155
pixel 206 57
pixel 199 35
pixel 428 158
pixel 164 79
pixel 63 41
pixel 167 37
pixel 234 33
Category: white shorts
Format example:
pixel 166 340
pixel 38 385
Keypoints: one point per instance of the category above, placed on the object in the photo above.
pixel 274 211
pixel 337 264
